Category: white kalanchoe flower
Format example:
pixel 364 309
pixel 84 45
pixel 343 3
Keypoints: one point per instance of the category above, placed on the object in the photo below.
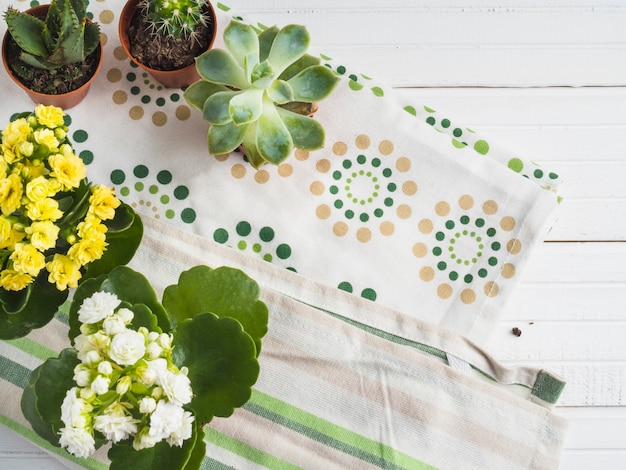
pixel 183 432
pixel 153 350
pixel 165 420
pixel 125 314
pixel 147 405
pixel 127 347
pixel 177 387
pixel 73 409
pixel 97 307
pixel 105 368
pixel 100 385
pixel 83 375
pixel 77 441
pixel 115 424
pixel 95 342
pixel 144 440
pixel 92 358
pixel 123 385
pixel 113 325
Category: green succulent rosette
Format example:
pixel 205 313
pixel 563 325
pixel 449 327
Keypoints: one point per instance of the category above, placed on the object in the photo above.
pixel 148 375
pixel 57 229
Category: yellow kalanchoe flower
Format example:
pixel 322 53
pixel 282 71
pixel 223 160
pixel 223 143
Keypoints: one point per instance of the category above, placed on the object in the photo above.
pixel 49 116
pixel 43 235
pixel 27 259
pixel 91 228
pixel 103 202
pixel 64 272
pixel 11 190
pixel 11 280
pixel 68 169
pixel 85 251
pixel 46 137
pixel 38 188
pixel 44 209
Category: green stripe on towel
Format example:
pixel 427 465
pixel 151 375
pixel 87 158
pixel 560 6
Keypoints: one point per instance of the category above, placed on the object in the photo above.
pixel 330 434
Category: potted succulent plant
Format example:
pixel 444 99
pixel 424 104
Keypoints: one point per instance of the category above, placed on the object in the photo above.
pixel 53 51
pixel 57 228
pixel 146 376
pixel 258 93
pixel 165 36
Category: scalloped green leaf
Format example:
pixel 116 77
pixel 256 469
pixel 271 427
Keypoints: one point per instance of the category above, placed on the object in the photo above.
pixel 246 107
pixel 55 378
pixel 306 132
pixel 123 456
pixel 215 110
pixel 218 66
pixel 225 138
pixel 224 291
pixel 143 316
pixel 273 140
pixel 197 93
pixel 28 406
pixel 313 84
pixel 222 363
pixel 122 244
pixel 38 309
pixel 242 41
pixel 289 45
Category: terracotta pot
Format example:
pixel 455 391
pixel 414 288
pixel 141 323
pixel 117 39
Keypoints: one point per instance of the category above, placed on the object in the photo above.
pixel 170 78
pixel 63 100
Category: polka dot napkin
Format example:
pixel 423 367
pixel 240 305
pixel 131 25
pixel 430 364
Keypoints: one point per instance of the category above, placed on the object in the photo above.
pixel 403 206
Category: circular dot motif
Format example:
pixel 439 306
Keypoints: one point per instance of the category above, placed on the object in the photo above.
pixel 469 251
pixel 361 188
pixel 262 243
pixel 157 196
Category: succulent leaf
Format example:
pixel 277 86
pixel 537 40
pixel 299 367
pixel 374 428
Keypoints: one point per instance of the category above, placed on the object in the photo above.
pixel 280 92
pixel 246 106
pixel 242 42
pixel 313 84
pixel 197 93
pixel 225 138
pixel 216 110
pixel 218 66
pixel 266 39
pixel 289 45
pixel 27 31
pixel 273 140
pixel 298 66
pixel 306 132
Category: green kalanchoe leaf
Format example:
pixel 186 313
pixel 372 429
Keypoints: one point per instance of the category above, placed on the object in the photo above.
pixel 21 312
pixel 197 93
pixel 306 132
pixel 124 457
pixel 224 291
pixel 222 363
pixel 29 410
pixel 225 138
pixel 242 41
pixel 218 66
pixel 143 316
pixel 313 84
pixel 123 241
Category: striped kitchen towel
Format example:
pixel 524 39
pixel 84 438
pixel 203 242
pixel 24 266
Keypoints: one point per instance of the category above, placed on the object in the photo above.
pixel 345 382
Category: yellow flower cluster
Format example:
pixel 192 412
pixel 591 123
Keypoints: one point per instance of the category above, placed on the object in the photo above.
pixel 39 172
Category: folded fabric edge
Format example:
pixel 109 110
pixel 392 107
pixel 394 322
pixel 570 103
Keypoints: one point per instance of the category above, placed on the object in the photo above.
pixel 161 237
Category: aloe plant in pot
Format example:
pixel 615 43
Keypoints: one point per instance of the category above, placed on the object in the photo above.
pixel 53 51
pixel 164 37
pixel 257 94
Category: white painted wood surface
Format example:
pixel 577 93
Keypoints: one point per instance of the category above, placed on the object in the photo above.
pixel 476 61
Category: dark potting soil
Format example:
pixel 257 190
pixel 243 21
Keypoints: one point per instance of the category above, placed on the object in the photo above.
pixel 164 52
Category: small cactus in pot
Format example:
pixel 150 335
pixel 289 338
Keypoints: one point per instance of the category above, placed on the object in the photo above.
pixel 175 18
pixel 248 93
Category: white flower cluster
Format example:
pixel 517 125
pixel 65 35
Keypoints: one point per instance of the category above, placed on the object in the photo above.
pixel 126 383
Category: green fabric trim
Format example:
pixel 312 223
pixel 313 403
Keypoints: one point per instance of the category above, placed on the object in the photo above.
pixel 244 450
pixel 35 439
pixel 32 348
pixel 330 434
pixel 548 388
pixel 14 373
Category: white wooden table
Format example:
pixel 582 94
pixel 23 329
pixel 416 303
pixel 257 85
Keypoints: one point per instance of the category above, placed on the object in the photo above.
pixel 547 78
